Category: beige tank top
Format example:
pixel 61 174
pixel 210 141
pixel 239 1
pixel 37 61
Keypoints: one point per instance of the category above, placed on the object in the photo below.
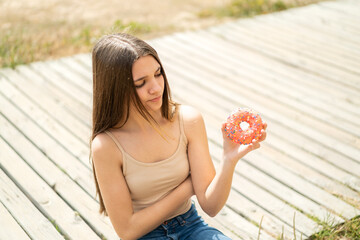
pixel 150 182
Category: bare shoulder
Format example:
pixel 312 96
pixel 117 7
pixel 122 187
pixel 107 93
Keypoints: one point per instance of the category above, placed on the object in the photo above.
pixel 190 115
pixel 104 149
pixel 193 120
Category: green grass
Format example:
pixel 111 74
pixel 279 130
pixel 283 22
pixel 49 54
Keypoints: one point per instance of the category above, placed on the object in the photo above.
pixel 246 8
pixel 250 8
pixel 348 230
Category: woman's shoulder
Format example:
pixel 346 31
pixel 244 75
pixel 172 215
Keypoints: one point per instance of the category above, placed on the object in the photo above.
pixel 190 114
pixel 193 120
pixel 103 147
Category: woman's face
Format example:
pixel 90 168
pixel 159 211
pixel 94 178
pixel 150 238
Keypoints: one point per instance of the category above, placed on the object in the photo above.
pixel 149 82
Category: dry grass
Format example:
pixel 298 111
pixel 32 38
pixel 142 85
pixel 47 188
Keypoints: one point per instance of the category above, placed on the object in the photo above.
pixel 39 30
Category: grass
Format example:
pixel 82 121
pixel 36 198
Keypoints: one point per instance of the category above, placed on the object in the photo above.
pixel 22 42
pixel 349 230
pixel 250 8
pixel 247 8
pixel 29 43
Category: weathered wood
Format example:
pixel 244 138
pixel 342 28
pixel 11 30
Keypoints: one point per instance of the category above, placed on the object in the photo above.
pixel 42 195
pixel 60 181
pixel 245 97
pixel 13 229
pixel 36 225
pixel 299 68
pixel 249 82
pixel 34 116
pixel 228 105
pixel 60 82
pixel 23 90
pixel 282 192
pixel 254 42
pixel 78 81
pixel 47 123
pixel 191 87
pixel 248 208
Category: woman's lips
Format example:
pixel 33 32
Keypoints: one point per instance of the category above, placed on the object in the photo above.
pixel 155 99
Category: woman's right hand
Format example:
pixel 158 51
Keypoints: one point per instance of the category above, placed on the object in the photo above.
pixel 233 151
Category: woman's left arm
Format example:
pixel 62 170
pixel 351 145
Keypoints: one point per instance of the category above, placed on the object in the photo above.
pixel 212 188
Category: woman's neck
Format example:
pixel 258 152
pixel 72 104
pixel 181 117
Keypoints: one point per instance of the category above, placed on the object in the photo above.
pixel 137 122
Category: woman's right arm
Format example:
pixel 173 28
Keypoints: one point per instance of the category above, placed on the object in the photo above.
pixel 116 196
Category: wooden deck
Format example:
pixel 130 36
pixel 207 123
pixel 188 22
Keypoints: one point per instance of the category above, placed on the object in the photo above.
pixel 299 68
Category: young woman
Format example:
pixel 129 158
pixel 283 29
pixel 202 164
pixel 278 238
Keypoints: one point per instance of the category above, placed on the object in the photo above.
pixel 150 154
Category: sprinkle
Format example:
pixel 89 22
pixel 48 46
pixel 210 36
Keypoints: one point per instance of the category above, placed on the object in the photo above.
pixel 238 135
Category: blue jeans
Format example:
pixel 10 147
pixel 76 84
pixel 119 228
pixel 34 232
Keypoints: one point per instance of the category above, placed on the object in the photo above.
pixel 189 226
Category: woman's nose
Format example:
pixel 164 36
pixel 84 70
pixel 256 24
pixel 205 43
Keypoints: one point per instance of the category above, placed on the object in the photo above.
pixel 155 86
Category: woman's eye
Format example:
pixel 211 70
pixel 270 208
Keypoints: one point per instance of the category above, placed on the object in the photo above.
pixel 139 86
pixel 158 74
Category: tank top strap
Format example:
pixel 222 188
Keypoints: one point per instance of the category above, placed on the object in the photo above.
pixel 115 141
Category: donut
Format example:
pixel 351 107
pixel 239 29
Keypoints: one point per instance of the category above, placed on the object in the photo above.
pixel 243 126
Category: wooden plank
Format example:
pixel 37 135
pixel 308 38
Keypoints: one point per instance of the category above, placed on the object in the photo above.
pixel 320 26
pixel 338 20
pixel 252 168
pixel 252 76
pixel 299 155
pixel 286 101
pixel 288 39
pixel 217 110
pixel 329 197
pixel 64 71
pixel 42 195
pixel 309 38
pixel 336 157
pixel 346 22
pixel 350 165
pixel 13 229
pixel 52 105
pixel 240 204
pixel 55 176
pixel 28 216
pixel 349 7
pixel 51 126
pixel 245 188
pixel 232 224
pixel 240 185
pixel 239 54
pixel 70 104
pixel 326 176
pixel 281 111
pixel 60 81
pixel 234 33
pixel 269 91
pixel 50 147
pixel 71 63
pixel 244 37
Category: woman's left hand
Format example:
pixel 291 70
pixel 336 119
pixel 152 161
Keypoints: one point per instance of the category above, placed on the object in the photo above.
pixel 233 151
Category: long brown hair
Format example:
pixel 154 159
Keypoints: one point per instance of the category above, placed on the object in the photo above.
pixel 114 89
